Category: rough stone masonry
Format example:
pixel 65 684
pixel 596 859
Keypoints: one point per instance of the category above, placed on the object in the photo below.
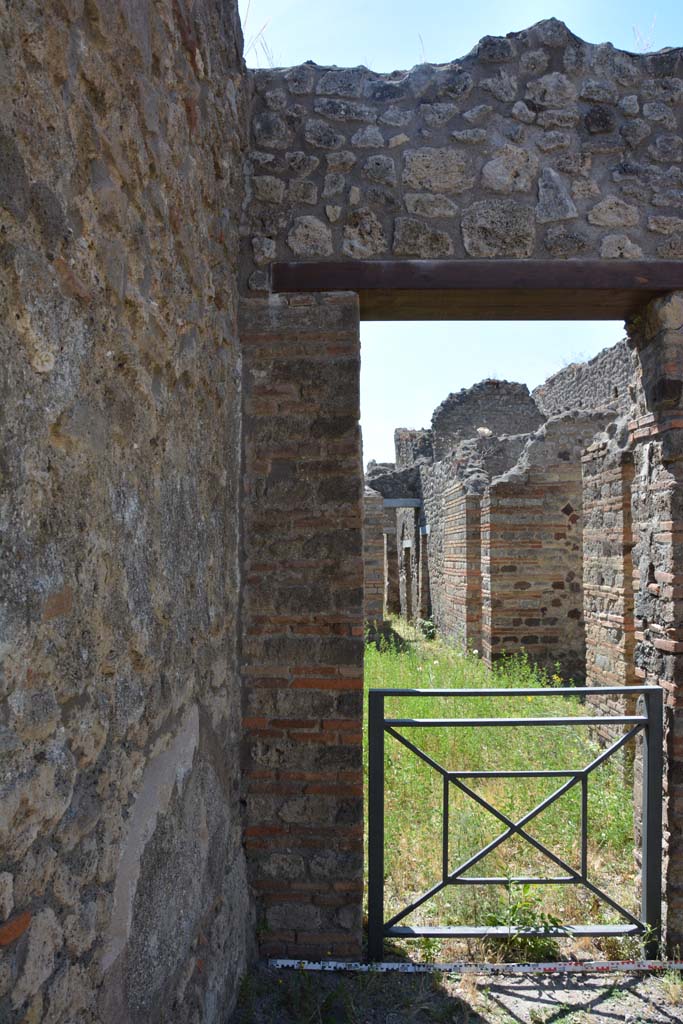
pixel 182 577
pixel 533 145
pixel 123 884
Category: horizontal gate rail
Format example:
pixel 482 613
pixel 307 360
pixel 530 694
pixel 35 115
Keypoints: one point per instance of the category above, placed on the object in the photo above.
pixel 649 723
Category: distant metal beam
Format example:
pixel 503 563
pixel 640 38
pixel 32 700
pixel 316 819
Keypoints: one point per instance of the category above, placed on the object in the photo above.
pixel 403 502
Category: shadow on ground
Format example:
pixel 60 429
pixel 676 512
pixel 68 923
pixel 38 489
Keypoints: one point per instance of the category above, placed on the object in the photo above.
pixel 299 997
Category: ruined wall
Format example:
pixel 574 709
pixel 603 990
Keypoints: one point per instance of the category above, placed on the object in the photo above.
pixel 412 447
pixel 392 597
pixel 602 382
pixel 450 489
pixel 303 622
pixel 608 568
pixel 124 895
pixel 408 544
pixel 459 615
pixel 497 405
pixel 373 556
pixel 534 145
pixel 531 526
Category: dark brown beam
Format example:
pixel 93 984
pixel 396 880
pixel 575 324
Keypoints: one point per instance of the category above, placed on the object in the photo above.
pixel 488 289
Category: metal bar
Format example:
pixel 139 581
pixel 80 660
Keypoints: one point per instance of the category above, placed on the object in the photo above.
pixel 515 827
pixel 560 774
pixel 444 845
pixel 416 750
pixel 470 880
pixel 455 723
pixel 584 826
pixel 529 691
pixel 651 906
pixel 612 903
pixel 613 749
pixel 414 905
pixel 537 845
pixel 376 825
pixel 467 931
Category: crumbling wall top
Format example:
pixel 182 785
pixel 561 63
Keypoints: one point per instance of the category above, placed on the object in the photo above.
pixel 496 406
pixel 536 144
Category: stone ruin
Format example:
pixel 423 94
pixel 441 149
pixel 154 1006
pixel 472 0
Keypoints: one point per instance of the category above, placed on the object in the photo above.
pixel 182 490
pixel 504 536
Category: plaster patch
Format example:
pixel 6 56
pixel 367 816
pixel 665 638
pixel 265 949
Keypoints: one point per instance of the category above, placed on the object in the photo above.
pixel 164 772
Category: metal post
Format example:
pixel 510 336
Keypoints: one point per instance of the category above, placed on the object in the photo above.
pixel 445 826
pixel 376 825
pixel 584 827
pixel 653 752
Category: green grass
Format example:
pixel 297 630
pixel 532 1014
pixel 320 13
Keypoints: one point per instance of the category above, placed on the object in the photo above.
pixel 413 794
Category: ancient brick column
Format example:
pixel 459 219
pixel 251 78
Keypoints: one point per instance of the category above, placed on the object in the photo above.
pixel 392 597
pixel 462 566
pixel 302 621
pixel 657 436
pixel 373 556
pixel 608 572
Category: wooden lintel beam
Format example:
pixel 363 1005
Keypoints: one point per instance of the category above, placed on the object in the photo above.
pixel 488 289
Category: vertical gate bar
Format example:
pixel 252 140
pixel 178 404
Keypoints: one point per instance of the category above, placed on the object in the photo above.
pixel 444 847
pixel 584 826
pixel 375 825
pixel 652 822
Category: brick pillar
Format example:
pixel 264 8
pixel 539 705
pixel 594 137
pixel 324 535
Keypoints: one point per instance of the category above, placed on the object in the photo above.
pixel 302 621
pixel 608 572
pixel 532 558
pixel 462 566
pixel 392 597
pixel 373 556
pixel 657 503
pixel 424 599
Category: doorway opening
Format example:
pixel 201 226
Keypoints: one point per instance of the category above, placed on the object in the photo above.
pixel 490 501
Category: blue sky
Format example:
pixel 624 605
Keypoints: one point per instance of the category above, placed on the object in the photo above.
pixel 408 368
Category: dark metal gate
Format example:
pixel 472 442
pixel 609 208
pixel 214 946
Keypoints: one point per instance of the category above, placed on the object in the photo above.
pixel 647 720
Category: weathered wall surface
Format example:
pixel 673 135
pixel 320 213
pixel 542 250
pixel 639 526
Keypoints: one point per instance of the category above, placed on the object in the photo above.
pixel 608 566
pixel 602 382
pixel 392 598
pixel 500 406
pixel 534 145
pixel 122 878
pixel 413 447
pixel 657 511
pixel 303 622
pixel 451 491
pixel 459 614
pixel 532 572
pixel 373 556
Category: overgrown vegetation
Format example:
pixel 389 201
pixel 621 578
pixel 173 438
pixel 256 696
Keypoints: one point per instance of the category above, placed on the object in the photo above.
pixel 414 797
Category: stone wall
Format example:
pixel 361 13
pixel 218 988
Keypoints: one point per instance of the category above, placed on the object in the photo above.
pixel 532 552
pixel 657 511
pixel 413 447
pixel 392 597
pixel 373 557
pixel 303 622
pixel 602 382
pixel 122 877
pixel 498 406
pixel 535 144
pixel 608 568
pixel 459 617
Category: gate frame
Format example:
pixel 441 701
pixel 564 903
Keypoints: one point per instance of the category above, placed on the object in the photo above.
pixel 650 723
